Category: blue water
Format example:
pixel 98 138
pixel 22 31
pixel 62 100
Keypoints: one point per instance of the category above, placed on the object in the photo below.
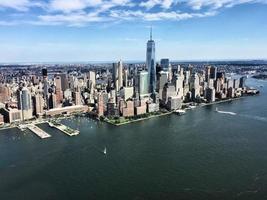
pixel 200 155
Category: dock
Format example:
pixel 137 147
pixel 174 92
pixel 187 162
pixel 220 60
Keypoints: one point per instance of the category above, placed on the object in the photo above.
pixel 65 129
pixel 39 132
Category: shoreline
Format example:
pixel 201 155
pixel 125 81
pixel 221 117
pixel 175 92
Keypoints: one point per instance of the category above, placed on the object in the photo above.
pixel 125 122
pixel 138 120
pixel 171 112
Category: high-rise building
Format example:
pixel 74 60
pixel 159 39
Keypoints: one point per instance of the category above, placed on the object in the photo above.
pixel 91 77
pixel 207 74
pixel 64 81
pixel 143 83
pixel 44 72
pixel 52 101
pixel 164 63
pixel 179 85
pixel 210 94
pixel 100 105
pixel 25 103
pixel 58 83
pixel 115 76
pixel 213 73
pixel 163 79
pixel 77 98
pixel 120 75
pixel 151 64
pixel 38 102
pixel 125 78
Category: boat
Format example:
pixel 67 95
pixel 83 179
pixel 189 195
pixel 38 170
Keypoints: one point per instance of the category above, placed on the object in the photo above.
pixel 22 127
pixel 192 107
pixel 105 151
pixel 180 112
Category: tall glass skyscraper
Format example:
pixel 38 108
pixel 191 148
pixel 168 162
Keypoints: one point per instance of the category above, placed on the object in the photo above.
pixel 151 64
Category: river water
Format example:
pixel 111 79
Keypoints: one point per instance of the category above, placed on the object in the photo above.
pixel 201 155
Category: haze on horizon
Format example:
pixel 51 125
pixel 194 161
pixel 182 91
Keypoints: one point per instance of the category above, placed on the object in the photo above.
pixel 101 30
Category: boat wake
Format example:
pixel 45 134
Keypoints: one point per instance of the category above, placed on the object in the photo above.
pixel 225 112
pixel 258 118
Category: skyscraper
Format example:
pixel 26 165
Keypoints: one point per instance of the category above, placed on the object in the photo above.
pixel 25 103
pixel 120 78
pixel 143 83
pixel 151 64
pixel 115 76
pixel 164 63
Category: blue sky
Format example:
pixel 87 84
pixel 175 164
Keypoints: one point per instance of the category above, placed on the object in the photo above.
pixel 102 30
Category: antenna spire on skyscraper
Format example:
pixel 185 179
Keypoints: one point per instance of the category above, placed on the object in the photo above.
pixel 150 32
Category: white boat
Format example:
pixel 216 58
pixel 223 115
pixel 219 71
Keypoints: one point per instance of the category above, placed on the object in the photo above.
pixel 22 127
pixel 180 112
pixel 105 151
pixel 192 107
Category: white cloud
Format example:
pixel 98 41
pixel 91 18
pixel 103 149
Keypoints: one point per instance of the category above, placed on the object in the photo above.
pixel 20 5
pixel 166 4
pixel 73 5
pixel 83 12
pixel 216 4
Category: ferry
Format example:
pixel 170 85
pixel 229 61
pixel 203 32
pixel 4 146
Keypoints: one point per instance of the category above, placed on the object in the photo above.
pixel 180 112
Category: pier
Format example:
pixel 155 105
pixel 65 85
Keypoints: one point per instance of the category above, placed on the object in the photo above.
pixel 39 132
pixel 67 130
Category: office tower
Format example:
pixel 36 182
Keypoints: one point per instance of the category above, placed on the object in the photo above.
pixel 127 93
pixel 210 94
pixel 64 82
pixel 163 79
pixel 100 105
pixel 164 63
pixel 44 72
pixel 168 91
pixel 52 101
pixel 190 69
pixel 194 86
pixel 179 80
pixel 151 64
pixel 77 98
pixel 38 102
pixel 170 73
pixel 115 76
pixel 125 78
pixel 91 76
pixel 45 82
pixel 207 74
pixel 120 78
pixel 213 73
pixel 143 83
pixel 25 103
pixel 59 96
pixel 58 82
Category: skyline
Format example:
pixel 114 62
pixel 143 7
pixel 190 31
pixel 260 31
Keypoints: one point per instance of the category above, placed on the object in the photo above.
pixel 199 30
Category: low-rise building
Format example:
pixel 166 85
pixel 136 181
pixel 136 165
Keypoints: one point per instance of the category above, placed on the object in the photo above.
pixel 11 115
